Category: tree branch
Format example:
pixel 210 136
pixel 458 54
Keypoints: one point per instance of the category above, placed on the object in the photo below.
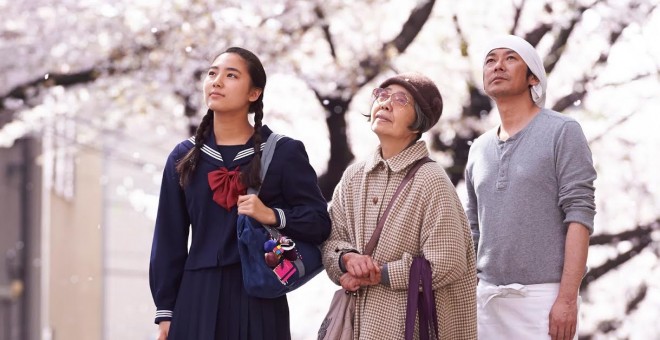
pixel 608 326
pixel 413 25
pixel 516 17
pixel 581 91
pixel 32 88
pixel 632 305
pixel 558 46
pixel 640 241
pixel 633 79
pixel 638 232
pixel 595 273
pixel 189 110
pixel 617 123
pixel 372 65
pixel 28 89
pixel 326 30
pixel 568 100
pixel 461 37
pixel 564 102
pixel 534 36
pixel 625 118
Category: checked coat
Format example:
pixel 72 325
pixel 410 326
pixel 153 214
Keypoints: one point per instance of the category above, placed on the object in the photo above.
pixel 427 219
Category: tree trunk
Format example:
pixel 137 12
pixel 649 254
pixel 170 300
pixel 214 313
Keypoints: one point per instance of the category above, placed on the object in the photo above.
pixel 340 152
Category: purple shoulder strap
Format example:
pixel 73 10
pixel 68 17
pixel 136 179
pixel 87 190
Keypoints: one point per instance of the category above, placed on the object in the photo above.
pixel 421 302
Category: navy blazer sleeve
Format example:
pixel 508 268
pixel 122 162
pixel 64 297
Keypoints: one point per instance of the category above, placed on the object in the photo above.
pixel 169 249
pixel 301 210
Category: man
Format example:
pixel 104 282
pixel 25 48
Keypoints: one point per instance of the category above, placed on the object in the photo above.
pixel 530 204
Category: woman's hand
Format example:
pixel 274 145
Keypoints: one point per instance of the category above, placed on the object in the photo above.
pixel 251 205
pixel 352 283
pixel 360 266
pixel 163 330
pixel 349 282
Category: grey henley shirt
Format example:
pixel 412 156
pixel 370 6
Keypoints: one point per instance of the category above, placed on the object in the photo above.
pixel 523 193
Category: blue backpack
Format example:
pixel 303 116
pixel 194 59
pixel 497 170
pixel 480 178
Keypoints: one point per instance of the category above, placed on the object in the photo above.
pixel 297 261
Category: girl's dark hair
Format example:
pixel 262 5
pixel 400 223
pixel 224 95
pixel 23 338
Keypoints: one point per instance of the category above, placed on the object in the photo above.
pixel 251 177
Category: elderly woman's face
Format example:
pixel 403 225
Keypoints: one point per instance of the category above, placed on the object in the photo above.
pixel 391 115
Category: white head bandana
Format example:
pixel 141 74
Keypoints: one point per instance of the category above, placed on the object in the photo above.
pixel 529 56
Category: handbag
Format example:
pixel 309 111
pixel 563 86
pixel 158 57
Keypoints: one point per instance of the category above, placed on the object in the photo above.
pixel 296 262
pixel 338 322
pixel 422 302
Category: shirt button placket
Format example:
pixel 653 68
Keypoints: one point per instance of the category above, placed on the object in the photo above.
pixel 504 166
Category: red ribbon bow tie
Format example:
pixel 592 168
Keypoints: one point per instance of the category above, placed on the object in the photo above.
pixel 226 186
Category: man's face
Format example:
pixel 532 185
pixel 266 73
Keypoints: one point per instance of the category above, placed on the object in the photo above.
pixel 505 74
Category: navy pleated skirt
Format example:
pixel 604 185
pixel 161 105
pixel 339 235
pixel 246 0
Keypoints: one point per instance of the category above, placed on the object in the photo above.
pixel 212 304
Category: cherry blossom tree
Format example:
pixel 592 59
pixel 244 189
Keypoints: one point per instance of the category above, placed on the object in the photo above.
pixel 106 65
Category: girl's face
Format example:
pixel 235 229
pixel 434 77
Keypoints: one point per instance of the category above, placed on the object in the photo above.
pixel 227 85
pixel 393 112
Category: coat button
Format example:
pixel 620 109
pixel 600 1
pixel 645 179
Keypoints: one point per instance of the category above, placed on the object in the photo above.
pixel 375 200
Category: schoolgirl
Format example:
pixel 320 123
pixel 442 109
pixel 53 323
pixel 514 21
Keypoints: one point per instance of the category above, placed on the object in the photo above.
pixel 198 289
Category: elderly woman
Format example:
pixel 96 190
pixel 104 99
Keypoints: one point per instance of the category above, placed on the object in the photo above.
pixel 426 220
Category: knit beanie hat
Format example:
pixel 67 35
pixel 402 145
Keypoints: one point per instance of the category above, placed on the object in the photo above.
pixel 426 95
pixel 528 54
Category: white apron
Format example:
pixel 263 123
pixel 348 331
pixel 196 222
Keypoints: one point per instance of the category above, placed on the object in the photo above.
pixel 514 311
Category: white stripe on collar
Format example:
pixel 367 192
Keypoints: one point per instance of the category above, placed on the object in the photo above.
pixel 207 150
pixel 242 154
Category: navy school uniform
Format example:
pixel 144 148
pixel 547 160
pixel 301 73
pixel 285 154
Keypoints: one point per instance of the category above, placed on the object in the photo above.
pixel 201 289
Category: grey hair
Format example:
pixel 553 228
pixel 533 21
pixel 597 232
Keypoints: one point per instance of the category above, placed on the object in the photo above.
pixel 421 121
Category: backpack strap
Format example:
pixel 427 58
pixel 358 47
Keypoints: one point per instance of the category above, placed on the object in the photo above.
pixel 266 157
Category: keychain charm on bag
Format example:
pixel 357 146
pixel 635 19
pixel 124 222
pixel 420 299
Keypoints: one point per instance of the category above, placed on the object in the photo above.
pixel 277 250
pixel 279 254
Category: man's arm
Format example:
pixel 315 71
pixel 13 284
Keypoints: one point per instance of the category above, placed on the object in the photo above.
pixel 472 208
pixel 563 315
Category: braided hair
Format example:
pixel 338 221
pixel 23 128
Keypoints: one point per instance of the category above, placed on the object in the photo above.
pixel 251 177
pixel 187 165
